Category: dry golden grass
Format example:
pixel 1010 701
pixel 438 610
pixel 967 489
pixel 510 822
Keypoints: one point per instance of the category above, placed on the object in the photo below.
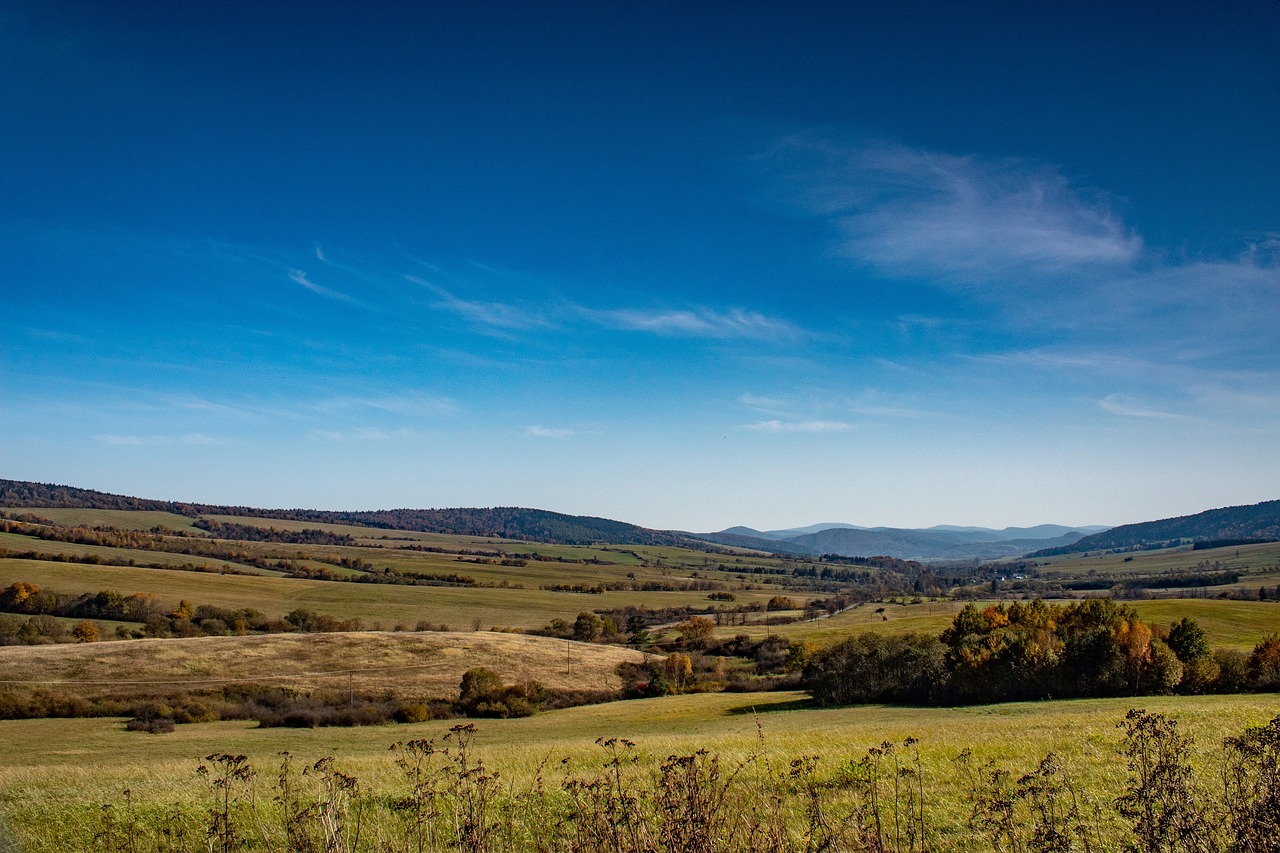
pixel 405 664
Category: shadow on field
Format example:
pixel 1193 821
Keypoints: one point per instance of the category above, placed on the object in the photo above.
pixel 7 844
pixel 791 705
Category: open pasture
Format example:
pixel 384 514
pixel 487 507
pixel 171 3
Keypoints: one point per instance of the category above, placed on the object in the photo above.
pixel 125 519
pixel 19 543
pixel 57 773
pixel 420 666
pixel 386 605
pixel 1228 624
pixel 1263 557
pixel 927 617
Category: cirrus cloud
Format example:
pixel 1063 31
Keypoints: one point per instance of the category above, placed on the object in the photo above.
pixel 798 426
pixel 550 432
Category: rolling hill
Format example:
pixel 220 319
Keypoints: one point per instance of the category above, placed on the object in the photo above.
pixel 535 525
pixel 935 543
pixel 1253 522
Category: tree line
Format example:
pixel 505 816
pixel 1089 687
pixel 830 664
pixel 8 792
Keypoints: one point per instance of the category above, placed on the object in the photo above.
pixel 1023 651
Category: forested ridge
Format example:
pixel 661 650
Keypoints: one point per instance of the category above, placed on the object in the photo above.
pixel 534 525
pixel 1254 522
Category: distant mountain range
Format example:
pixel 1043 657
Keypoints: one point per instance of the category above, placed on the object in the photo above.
pixel 944 542
pixel 1256 522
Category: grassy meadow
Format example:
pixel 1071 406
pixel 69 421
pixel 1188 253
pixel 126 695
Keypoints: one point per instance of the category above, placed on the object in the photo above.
pixel 426 665
pixel 1227 623
pixel 124 519
pixel 1258 564
pixel 378 605
pixel 56 774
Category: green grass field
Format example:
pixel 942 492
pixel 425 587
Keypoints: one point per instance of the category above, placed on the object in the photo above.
pixel 19 543
pixel 1264 557
pixel 122 518
pixel 928 617
pixel 1229 624
pixel 387 605
pixel 56 773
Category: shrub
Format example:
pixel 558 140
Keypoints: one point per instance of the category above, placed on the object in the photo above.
pixel 1161 800
pixel 86 632
pixel 1252 779
pixel 156 726
pixel 1264 664
pixel 1233 671
pixel 153 718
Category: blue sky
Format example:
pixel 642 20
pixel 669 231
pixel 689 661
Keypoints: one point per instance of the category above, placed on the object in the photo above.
pixel 688 265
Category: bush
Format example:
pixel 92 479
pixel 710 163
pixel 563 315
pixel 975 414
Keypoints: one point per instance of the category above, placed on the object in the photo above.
pixel 1233 671
pixel 1264 664
pixel 156 726
pixel 152 718
pixel 482 694
pixel 86 632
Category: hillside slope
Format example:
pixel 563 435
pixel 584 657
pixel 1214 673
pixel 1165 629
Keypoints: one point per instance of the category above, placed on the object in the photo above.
pixel 918 544
pixel 1260 521
pixel 535 525
pixel 406 665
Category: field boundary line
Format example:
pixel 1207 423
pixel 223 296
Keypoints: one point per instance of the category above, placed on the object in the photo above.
pixel 319 674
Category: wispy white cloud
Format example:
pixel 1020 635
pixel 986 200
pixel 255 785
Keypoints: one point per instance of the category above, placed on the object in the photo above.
pixel 798 426
pixel 550 432
pixel 365 434
pixel 300 277
pixel 871 410
pixel 189 439
pixel 803 412
pixel 770 405
pixel 1118 404
pixel 411 404
pixel 1046 252
pixel 56 336
pixel 698 322
pixel 499 314
pixel 960 219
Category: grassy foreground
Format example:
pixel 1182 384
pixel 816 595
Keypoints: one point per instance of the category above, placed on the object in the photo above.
pixel 56 774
